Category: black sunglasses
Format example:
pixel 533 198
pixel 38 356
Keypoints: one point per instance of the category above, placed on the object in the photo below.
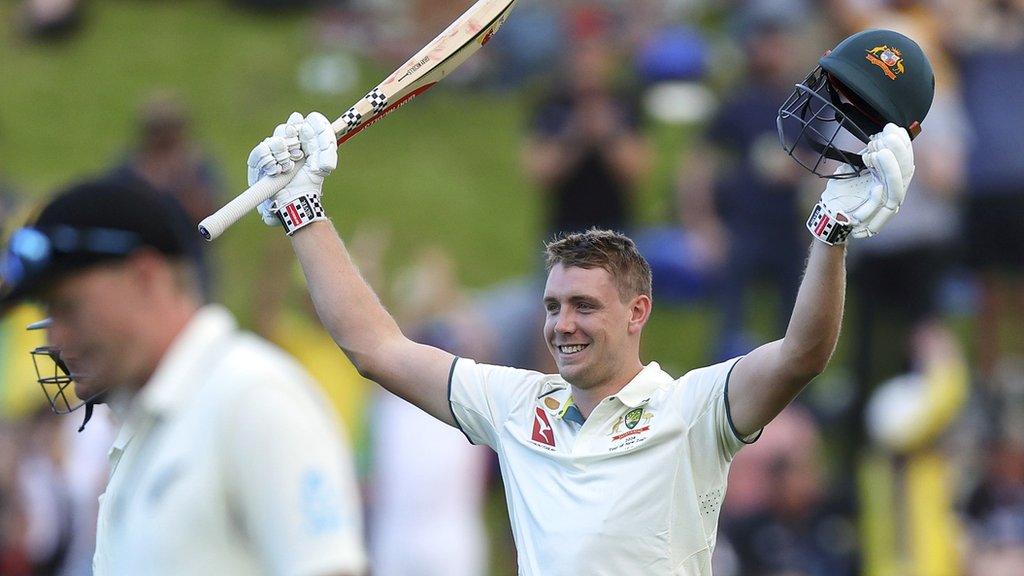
pixel 31 250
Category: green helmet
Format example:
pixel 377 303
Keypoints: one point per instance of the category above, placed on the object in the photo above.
pixel 870 79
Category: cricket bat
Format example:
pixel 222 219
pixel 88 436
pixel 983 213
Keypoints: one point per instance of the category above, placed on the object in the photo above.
pixel 426 68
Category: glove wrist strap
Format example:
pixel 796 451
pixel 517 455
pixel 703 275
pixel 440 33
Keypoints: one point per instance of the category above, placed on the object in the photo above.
pixel 832 228
pixel 299 212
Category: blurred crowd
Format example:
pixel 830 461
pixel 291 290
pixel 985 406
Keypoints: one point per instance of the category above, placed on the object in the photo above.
pixel 905 458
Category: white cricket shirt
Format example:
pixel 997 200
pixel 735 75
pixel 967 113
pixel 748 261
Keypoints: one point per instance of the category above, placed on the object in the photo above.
pixel 635 489
pixel 228 463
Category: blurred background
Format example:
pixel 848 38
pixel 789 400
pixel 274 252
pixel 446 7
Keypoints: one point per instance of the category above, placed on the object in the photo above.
pixel 656 117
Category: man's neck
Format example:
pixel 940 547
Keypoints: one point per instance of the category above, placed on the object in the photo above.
pixel 588 399
pixel 175 319
pixel 119 401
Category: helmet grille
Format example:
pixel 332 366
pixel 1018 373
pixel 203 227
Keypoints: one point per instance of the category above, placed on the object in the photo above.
pixel 54 377
pixel 815 126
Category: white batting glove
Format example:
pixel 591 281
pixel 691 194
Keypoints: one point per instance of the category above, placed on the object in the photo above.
pixel 861 206
pixel 298 203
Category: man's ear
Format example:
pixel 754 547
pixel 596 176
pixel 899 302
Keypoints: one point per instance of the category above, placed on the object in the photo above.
pixel 149 269
pixel 639 313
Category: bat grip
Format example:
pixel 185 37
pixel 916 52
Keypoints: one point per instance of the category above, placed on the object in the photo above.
pixel 215 224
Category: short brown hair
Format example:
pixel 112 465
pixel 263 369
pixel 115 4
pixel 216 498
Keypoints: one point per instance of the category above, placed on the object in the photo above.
pixel 606 249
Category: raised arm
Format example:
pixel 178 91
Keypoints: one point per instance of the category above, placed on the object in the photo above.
pixel 364 330
pixel 767 379
pixel 347 306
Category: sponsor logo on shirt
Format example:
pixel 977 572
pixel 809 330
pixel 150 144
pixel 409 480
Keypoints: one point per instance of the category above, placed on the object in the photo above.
pixel 542 431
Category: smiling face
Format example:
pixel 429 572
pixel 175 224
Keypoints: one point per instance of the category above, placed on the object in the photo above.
pixel 592 334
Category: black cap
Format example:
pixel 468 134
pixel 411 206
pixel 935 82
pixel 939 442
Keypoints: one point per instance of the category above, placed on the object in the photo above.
pixel 150 218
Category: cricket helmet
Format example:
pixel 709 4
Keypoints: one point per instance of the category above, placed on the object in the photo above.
pixel 870 79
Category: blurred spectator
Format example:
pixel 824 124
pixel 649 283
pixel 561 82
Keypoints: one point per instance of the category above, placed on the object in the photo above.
pixel 995 511
pixel 14 559
pixel 428 480
pixel 779 514
pixel 585 149
pixel 529 42
pixel 273 5
pixel 672 63
pixel 49 522
pixel 990 46
pixel 727 178
pixel 905 474
pixel 85 469
pixel 60 476
pixel 513 312
pixel 19 549
pixel 897 277
pixel 167 158
pixel 19 395
pixel 51 19
pixel 1001 487
pixel 999 546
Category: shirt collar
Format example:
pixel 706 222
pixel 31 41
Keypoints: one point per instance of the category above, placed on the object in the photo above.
pixel 572 413
pixel 638 391
pixel 171 385
pixel 555 396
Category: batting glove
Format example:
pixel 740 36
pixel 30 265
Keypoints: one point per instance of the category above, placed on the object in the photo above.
pixel 861 206
pixel 298 203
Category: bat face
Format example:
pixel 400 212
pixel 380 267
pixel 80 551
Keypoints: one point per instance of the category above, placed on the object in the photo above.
pixel 428 66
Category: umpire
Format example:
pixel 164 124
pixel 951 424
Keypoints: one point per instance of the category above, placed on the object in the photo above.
pixel 227 460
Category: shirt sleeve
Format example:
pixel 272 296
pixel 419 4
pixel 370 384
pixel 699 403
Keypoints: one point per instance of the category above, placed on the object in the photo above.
pixel 707 412
pixel 482 396
pixel 289 474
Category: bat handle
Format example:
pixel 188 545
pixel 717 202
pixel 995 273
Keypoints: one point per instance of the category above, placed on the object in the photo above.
pixel 215 224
